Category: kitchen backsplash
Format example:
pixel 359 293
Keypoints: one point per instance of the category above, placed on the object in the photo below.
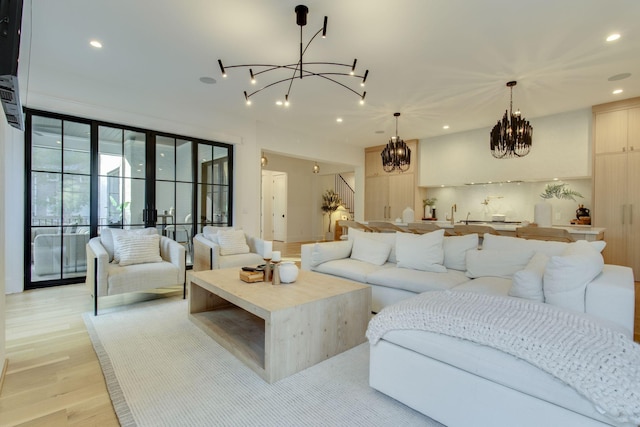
pixel 515 200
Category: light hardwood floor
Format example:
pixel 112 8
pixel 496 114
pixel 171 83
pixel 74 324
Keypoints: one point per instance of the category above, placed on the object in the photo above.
pixel 53 376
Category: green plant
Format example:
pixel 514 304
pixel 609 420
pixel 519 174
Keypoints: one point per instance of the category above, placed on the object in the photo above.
pixel 429 202
pixel 119 206
pixel 330 203
pixel 560 191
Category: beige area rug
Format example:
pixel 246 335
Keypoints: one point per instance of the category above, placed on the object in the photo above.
pixel 162 370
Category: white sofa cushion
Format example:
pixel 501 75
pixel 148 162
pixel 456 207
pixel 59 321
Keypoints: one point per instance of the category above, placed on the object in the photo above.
pixel 389 238
pixel 370 250
pixel 455 250
pixel 138 249
pixel 548 248
pixel 415 280
pixel 421 251
pixel 496 263
pixel 566 276
pixel 133 278
pixel 486 285
pixel 349 268
pixel 527 283
pixel 329 251
pixel 232 242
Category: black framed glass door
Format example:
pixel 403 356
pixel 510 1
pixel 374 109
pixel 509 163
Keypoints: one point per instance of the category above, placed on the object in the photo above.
pixel 83 176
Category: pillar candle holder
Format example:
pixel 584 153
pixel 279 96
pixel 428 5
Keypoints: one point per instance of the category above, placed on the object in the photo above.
pixel 267 270
pixel 276 273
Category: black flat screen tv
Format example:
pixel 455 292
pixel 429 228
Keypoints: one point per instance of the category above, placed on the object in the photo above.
pixel 10 23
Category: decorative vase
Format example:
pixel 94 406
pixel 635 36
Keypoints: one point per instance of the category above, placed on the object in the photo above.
pixel 408 215
pixel 427 212
pixel 288 272
pixel 543 214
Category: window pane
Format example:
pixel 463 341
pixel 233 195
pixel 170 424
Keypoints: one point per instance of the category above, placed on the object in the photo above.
pixel 45 253
pixel 46 144
pixel 221 165
pixel 165 158
pixel 46 201
pixel 77 148
pixel 165 199
pixel 134 154
pixel 205 156
pixel 183 163
pixel 134 198
pixel 76 204
pixel 183 202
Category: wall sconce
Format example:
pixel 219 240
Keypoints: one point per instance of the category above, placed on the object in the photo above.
pixel 316 168
pixel 263 160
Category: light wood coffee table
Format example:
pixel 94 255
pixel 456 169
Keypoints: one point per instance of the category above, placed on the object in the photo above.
pixel 280 330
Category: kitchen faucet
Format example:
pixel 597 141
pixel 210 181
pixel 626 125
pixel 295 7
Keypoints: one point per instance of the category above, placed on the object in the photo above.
pixel 466 221
pixel 454 208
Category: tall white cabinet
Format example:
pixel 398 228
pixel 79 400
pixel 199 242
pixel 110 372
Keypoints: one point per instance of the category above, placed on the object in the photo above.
pixel 388 194
pixel 616 176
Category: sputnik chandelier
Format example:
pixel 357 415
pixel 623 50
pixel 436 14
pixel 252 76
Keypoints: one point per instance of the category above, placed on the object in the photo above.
pixel 511 136
pixel 300 69
pixel 397 154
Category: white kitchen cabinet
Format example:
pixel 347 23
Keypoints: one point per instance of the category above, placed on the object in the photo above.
pixel 388 194
pixel 617 180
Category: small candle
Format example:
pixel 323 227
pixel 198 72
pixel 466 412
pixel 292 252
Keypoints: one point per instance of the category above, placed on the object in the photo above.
pixel 268 248
pixel 275 256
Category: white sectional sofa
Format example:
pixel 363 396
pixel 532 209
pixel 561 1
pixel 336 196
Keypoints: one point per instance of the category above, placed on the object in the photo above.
pixel 461 382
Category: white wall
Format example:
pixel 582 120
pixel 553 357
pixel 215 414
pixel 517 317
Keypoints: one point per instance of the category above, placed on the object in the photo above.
pixel 561 149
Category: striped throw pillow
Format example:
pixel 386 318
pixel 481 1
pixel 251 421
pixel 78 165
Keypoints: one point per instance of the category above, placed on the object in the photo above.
pixel 138 249
pixel 232 242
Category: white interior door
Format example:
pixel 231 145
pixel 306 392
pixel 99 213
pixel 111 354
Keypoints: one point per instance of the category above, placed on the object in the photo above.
pixel 267 205
pixel 280 207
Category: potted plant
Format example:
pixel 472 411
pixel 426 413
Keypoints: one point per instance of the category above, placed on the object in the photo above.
pixel 330 203
pixel 543 212
pixel 428 204
pixel 116 220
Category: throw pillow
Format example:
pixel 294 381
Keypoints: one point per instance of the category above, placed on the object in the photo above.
pixel 232 242
pixel 369 250
pixel 110 235
pixel 455 250
pixel 496 263
pixel 138 248
pixel 527 283
pixel 421 251
pixel 210 232
pixel 389 238
pixel 329 251
pixel 566 276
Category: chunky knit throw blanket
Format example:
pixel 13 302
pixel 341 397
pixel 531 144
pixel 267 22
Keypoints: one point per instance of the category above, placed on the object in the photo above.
pixel 600 363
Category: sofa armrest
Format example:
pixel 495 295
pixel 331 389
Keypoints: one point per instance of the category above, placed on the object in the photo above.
pixel 95 251
pixel 206 254
pixel 611 296
pixel 175 253
pixel 256 245
pixel 305 256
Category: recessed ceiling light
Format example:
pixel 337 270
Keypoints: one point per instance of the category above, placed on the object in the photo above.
pixel 278 102
pixel 96 44
pixel 555 179
pixel 613 37
pixel 442 186
pixel 339 120
pixel 445 127
pixel 617 91
pixel 208 80
pixel 379 131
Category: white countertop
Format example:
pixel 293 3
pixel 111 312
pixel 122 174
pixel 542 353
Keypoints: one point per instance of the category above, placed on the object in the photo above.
pixel 574 229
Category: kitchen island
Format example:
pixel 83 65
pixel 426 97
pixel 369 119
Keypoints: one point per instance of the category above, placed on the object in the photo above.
pixel 578 232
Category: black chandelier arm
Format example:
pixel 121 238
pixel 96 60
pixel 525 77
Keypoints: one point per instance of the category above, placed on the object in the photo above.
pixel 308 74
pixel 272 67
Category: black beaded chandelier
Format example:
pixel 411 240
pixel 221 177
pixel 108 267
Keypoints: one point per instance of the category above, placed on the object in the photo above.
pixel 301 69
pixel 511 136
pixel 396 155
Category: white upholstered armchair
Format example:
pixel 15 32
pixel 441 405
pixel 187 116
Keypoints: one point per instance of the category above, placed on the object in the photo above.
pixel 143 260
pixel 211 253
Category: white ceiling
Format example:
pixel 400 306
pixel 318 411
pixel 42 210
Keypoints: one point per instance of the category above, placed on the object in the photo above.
pixel 436 61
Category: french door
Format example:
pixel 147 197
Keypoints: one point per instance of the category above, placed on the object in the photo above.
pixel 84 176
